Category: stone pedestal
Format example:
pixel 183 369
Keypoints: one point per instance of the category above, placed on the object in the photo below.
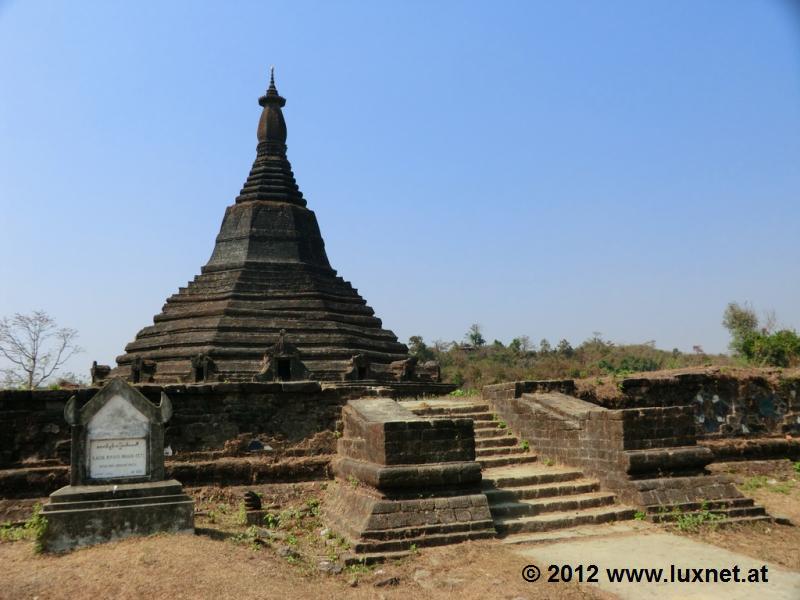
pixel 116 474
pixel 403 481
pixel 82 515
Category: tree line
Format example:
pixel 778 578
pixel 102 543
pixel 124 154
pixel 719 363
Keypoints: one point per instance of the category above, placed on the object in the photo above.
pixel 473 362
pixel 34 348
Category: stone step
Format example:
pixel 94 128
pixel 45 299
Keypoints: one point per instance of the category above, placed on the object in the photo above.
pixel 497 451
pixel 452 410
pixel 524 475
pixel 496 442
pixel 562 520
pixel 372 558
pixel 475 416
pixel 578 533
pixel 511 459
pixel 417 531
pixel 540 506
pixel 656 509
pixel 724 513
pixel 545 490
pixel 491 432
pixel 478 420
pixel 476 423
pixel 362 547
pixel 744 520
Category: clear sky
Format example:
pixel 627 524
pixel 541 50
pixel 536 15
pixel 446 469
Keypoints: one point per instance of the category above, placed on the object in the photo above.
pixel 541 168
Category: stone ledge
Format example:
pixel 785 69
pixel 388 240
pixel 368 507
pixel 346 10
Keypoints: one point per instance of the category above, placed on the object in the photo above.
pixel 73 522
pixel 667 459
pixel 90 493
pixel 393 477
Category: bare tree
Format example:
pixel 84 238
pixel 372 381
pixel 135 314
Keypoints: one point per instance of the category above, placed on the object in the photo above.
pixel 770 321
pixel 35 346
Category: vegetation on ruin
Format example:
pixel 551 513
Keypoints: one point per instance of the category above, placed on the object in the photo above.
pixel 760 343
pixel 694 521
pixel 758 482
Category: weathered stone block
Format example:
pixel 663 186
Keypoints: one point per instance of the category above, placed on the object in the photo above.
pixel 84 515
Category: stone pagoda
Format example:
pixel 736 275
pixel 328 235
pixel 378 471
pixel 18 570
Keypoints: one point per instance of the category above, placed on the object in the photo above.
pixel 267 306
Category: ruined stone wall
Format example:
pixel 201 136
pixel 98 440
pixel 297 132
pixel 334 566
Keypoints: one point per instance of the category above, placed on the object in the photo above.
pixel 32 426
pixel 725 404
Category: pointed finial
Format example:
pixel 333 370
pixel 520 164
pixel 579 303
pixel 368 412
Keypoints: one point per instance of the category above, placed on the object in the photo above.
pixel 272 95
pixel 271 126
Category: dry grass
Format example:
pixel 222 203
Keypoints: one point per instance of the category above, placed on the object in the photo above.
pixel 227 561
pixel 775 484
pixel 765 541
pixel 187 566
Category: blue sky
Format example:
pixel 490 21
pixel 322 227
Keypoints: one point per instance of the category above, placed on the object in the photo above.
pixel 541 168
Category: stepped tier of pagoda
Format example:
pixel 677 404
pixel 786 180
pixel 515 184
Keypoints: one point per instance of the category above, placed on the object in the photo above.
pixel 267 305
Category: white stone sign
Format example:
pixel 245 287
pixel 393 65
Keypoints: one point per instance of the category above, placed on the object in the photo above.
pixel 117 441
pixel 109 459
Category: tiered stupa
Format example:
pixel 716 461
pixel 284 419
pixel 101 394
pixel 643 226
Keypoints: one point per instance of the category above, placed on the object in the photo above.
pixel 267 305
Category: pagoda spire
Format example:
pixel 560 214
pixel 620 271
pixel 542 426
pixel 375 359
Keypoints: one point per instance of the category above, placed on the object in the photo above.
pixel 271 178
pixel 272 126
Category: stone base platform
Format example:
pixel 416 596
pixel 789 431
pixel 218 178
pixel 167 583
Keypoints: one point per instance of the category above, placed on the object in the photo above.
pixel 378 523
pixel 84 515
pixel 402 482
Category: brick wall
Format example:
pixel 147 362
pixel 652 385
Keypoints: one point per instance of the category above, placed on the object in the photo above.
pixel 724 405
pixel 32 426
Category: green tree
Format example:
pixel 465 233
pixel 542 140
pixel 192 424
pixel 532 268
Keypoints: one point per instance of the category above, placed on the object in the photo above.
pixel 565 348
pixel 418 348
pixel 521 345
pixel 475 336
pixel 760 346
pixel 742 323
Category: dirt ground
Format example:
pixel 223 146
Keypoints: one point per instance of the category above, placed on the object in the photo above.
pixel 228 559
pixel 287 554
pixel 196 567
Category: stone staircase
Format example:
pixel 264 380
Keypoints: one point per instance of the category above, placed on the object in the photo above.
pixel 726 511
pixel 526 496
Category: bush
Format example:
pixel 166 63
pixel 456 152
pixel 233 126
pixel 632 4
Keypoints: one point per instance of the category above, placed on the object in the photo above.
pixel 779 349
pixel 763 347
